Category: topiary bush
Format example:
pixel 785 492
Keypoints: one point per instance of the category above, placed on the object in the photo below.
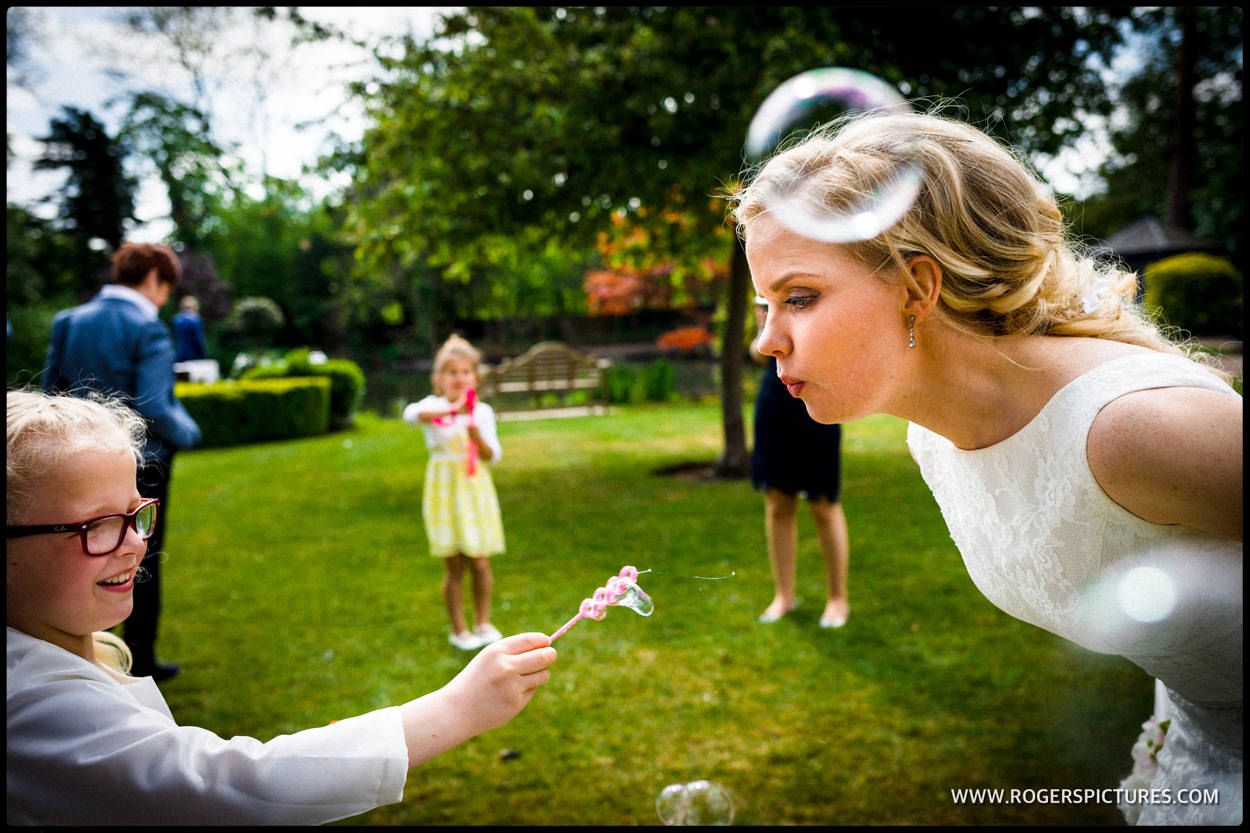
pixel 347 380
pixel 1198 292
pixel 236 413
pixel 657 380
pixel 255 321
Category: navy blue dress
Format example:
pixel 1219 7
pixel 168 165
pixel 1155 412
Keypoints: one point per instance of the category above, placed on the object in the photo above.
pixel 793 453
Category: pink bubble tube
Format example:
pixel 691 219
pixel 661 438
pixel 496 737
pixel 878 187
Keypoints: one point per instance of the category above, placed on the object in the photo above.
pixel 470 402
pixel 622 590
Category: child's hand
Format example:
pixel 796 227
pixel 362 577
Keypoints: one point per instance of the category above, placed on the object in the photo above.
pixel 499 682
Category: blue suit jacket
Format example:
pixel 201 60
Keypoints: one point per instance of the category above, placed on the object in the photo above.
pixel 189 337
pixel 108 345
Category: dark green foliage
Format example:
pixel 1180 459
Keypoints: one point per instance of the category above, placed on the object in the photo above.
pixel 1196 291
pixel 243 412
pixel 657 380
pixel 99 199
pixel 624 386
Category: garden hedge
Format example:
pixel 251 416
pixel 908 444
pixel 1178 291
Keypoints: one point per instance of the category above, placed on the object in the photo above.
pixel 1198 292
pixel 347 381
pixel 249 411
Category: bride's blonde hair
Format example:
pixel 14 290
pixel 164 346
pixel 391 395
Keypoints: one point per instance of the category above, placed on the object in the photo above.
pixel 1008 267
pixel 41 430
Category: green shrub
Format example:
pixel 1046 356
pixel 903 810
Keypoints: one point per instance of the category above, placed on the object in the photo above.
pixel 657 381
pixel 255 320
pixel 347 381
pixel 27 349
pixel 237 413
pixel 624 386
pixel 1198 292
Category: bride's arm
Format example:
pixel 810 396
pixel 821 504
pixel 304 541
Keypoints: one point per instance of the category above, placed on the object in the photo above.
pixel 1173 456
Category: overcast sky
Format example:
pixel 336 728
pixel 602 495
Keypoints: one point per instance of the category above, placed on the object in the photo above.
pixel 74 56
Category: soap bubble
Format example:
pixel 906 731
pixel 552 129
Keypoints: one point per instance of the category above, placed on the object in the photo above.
pixel 627 594
pixel 813 98
pixel 696 803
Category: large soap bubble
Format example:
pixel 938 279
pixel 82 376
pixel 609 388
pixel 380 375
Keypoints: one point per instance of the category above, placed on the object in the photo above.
pixel 806 101
pixel 696 803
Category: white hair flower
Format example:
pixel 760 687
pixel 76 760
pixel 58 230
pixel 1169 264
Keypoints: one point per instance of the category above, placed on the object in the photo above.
pixel 1093 299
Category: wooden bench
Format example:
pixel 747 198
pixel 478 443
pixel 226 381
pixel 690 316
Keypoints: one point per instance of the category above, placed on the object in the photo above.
pixel 546 369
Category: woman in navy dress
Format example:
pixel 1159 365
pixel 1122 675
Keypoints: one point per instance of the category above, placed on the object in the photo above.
pixel 795 456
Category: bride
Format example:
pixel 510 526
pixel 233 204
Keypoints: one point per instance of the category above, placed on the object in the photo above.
pixel 1089 470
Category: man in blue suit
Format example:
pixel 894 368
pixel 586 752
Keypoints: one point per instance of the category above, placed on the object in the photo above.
pixel 116 344
pixel 189 332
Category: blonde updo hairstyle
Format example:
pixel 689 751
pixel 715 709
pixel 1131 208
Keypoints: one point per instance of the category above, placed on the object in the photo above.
pixel 996 231
pixel 455 347
pixel 42 431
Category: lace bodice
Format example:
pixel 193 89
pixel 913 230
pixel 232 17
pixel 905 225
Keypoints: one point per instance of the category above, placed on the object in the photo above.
pixel 1044 543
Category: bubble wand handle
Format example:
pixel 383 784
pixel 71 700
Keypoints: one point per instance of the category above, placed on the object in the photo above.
pixel 566 626
pixel 471 402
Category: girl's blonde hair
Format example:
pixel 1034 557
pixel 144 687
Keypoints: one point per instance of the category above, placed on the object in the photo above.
pixel 41 431
pixel 455 347
pixel 1008 267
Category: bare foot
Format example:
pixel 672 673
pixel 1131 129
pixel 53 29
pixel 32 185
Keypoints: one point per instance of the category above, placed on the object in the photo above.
pixel 778 608
pixel 836 613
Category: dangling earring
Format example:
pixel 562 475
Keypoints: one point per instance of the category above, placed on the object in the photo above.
pixel 911 332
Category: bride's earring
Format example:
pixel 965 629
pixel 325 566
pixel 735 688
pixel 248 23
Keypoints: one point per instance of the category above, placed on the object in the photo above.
pixel 911 331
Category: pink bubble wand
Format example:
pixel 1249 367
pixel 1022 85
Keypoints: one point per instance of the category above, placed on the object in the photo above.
pixel 470 402
pixel 470 397
pixel 622 590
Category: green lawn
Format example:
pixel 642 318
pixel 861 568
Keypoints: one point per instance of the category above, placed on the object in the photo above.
pixel 298 591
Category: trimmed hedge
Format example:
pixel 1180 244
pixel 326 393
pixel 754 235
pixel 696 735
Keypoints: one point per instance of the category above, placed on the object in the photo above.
pixel 347 381
pixel 237 413
pixel 1199 292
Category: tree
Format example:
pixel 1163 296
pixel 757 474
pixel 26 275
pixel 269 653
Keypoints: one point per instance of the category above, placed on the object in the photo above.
pixel 1177 149
pixel 282 246
pixel 98 198
pixel 521 126
pixel 176 139
pixel 41 276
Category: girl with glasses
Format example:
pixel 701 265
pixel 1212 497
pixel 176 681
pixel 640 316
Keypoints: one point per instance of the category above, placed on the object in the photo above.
pixel 89 744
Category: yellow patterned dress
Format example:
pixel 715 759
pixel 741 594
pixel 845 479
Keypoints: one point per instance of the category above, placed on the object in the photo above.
pixel 460 508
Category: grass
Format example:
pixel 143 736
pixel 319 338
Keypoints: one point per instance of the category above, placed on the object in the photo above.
pixel 298 591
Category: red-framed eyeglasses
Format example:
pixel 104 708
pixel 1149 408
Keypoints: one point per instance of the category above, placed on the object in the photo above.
pixel 103 534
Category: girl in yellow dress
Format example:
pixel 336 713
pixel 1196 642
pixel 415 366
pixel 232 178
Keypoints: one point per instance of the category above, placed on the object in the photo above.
pixel 460 506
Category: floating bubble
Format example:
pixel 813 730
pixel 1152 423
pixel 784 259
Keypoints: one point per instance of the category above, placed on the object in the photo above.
pixel 630 595
pixel 806 101
pixel 622 590
pixel 696 803
pixel 1146 594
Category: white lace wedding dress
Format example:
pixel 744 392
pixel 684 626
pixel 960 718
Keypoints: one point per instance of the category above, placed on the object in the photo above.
pixel 1045 544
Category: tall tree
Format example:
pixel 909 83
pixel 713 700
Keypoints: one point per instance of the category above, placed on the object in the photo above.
pixel 176 140
pixel 1178 144
pixel 519 126
pixel 98 198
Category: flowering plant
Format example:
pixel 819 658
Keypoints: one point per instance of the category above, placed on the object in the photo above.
pixel 1145 765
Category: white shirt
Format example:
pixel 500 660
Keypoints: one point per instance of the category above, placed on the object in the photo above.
pixel 86 747
pixel 134 296
pixel 440 438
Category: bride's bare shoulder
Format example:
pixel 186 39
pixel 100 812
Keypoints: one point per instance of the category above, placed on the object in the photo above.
pixel 1172 455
